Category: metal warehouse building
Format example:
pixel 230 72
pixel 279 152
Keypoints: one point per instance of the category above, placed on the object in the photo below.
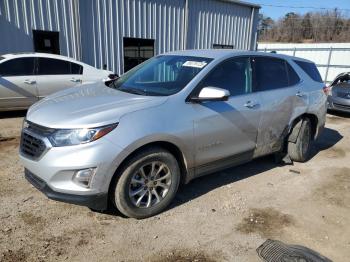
pixel 118 34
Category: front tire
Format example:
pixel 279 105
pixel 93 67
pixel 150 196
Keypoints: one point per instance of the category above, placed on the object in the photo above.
pixel 147 183
pixel 301 149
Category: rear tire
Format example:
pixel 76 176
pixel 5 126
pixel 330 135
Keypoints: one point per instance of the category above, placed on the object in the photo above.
pixel 147 183
pixel 301 149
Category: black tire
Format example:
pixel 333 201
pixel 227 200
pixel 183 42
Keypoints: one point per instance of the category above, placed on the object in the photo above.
pixel 122 186
pixel 301 149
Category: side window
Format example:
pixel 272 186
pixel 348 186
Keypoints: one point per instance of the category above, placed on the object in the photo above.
pixel 232 75
pixel 76 69
pixel 310 69
pixel 293 77
pixel 50 66
pixel 269 73
pixel 17 67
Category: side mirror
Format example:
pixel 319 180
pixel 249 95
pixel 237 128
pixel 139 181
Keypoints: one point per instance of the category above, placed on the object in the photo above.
pixel 212 94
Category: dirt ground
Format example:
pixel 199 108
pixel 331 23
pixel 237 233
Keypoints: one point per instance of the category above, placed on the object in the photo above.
pixel 221 217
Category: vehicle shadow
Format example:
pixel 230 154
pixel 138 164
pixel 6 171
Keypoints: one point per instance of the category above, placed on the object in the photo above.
pixel 205 184
pixel 338 113
pixel 13 114
pixel 327 139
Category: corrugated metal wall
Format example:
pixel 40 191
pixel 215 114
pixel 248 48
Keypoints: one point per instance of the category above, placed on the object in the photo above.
pixel 104 23
pixel 209 22
pixel 19 17
pixel 218 22
pixel 92 30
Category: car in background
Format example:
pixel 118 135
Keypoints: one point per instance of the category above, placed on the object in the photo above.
pixel 25 78
pixel 171 119
pixel 339 93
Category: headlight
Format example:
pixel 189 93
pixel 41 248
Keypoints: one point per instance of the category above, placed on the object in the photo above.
pixel 70 137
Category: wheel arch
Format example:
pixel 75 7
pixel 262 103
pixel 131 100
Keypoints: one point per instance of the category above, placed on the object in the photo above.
pixel 295 126
pixel 169 146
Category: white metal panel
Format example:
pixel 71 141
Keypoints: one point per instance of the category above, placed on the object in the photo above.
pixel 334 56
pixel 19 17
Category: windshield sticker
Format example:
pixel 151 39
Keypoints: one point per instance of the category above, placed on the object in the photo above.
pixel 195 64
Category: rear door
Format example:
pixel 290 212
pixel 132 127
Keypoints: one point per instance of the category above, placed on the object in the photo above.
pixel 17 83
pixel 277 84
pixel 54 75
pixel 226 131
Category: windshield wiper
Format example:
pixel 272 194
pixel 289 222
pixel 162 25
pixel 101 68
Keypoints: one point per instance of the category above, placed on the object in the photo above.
pixel 133 91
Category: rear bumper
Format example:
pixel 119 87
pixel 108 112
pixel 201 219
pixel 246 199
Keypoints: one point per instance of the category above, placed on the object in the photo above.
pixel 95 201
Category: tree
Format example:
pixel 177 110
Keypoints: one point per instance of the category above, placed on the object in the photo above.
pixel 326 26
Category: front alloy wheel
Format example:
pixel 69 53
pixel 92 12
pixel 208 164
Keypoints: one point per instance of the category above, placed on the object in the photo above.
pixel 147 183
pixel 150 184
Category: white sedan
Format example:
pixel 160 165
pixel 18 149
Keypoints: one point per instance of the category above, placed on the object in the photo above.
pixel 25 78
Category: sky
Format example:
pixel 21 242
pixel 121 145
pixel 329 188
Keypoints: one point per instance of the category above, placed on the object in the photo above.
pixel 311 5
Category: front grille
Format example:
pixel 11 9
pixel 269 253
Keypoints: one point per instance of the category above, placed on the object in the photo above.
pixel 32 146
pixel 40 130
pixel 33 139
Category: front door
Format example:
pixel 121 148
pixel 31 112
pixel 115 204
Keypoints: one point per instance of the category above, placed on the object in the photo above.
pixel 56 74
pixel 17 83
pixel 226 131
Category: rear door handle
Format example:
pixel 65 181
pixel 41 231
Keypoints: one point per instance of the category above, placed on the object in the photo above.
pixel 29 82
pixel 75 80
pixel 250 104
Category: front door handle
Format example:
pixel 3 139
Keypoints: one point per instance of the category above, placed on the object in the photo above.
pixel 299 94
pixel 251 104
pixel 29 81
pixel 75 80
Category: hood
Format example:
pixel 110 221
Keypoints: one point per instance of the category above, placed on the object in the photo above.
pixel 89 105
pixel 343 77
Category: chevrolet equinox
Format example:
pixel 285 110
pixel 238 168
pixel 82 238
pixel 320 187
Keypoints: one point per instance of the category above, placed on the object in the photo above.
pixel 173 118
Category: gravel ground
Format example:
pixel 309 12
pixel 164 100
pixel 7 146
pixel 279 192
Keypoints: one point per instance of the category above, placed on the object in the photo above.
pixel 221 217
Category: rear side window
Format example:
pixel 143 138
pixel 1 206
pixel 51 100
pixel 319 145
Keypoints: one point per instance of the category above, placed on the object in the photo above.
pixel 310 69
pixel 269 73
pixel 232 75
pixel 17 67
pixel 51 66
pixel 293 77
pixel 76 69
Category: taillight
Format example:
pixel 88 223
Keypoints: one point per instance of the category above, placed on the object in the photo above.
pixel 326 90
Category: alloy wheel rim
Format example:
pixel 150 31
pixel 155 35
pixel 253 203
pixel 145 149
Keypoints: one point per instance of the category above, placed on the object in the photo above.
pixel 150 184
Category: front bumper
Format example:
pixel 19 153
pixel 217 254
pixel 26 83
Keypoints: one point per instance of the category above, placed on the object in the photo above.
pixel 96 201
pixel 53 171
pixel 338 104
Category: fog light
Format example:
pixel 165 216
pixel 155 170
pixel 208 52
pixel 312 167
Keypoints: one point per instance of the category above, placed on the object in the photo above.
pixel 84 177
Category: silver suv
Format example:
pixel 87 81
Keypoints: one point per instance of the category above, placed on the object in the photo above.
pixel 167 121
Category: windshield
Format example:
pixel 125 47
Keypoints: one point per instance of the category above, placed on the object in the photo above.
pixel 161 75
